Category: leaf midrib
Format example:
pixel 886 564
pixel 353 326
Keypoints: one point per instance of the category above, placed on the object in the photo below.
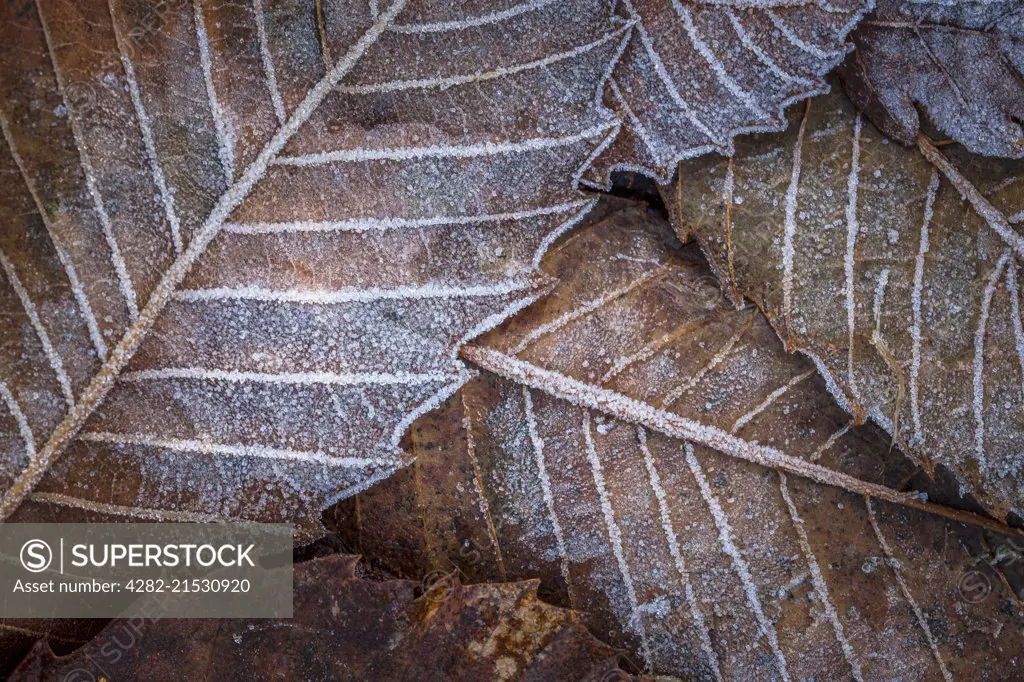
pixel 635 411
pixel 122 353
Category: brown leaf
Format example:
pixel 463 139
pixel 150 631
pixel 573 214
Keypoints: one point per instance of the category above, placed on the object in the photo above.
pixel 245 240
pixel 900 277
pixel 19 635
pixel 963 63
pixel 695 74
pixel 351 628
pixel 588 465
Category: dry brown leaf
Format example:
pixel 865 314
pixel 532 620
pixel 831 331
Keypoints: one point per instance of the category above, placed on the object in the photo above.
pixel 19 635
pixel 705 565
pixel 696 73
pixel 865 256
pixel 962 62
pixel 351 628
pixel 243 241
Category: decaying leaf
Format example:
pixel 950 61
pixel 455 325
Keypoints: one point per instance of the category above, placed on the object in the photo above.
pixel 905 293
pixel 705 564
pixel 243 241
pixel 962 62
pixel 351 628
pixel 19 635
pixel 697 73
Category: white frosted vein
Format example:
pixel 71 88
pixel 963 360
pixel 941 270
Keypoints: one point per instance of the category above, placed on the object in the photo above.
pixel 768 401
pixel 790 224
pixel 852 228
pixel 478 483
pixel 428 405
pixel 170 515
pixel 1018 327
pixel 677 557
pixel 722 353
pixel 468 151
pixel 982 206
pixel 124 280
pixel 545 486
pixel 232 450
pixel 637 412
pixel 299 378
pixel 761 55
pixel 792 37
pixel 820 586
pixel 52 356
pixel 738 562
pixel 898 572
pixel 480 77
pixel 353 295
pixel 638 125
pixel 164 290
pixel 666 79
pixel 577 179
pixel 471 22
pixel 225 143
pixel 77 290
pixel 645 353
pixel 269 72
pixel 615 536
pixel 705 51
pixel 979 357
pixel 584 310
pixel 915 301
pixel 832 440
pixel 146 128
pixel 392 223
pixel 19 418
pixel 556 234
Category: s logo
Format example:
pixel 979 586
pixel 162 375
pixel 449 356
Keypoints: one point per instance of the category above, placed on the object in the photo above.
pixel 36 556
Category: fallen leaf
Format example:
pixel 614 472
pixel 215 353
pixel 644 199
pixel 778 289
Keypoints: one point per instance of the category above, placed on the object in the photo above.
pixel 637 454
pixel 247 239
pixel 896 269
pixel 351 628
pixel 695 74
pixel 19 635
pixel 962 63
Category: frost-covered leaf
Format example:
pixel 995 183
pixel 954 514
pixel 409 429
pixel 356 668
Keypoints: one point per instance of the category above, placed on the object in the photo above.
pixel 696 73
pixel 897 269
pixel 962 62
pixel 705 565
pixel 242 241
pixel 351 628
